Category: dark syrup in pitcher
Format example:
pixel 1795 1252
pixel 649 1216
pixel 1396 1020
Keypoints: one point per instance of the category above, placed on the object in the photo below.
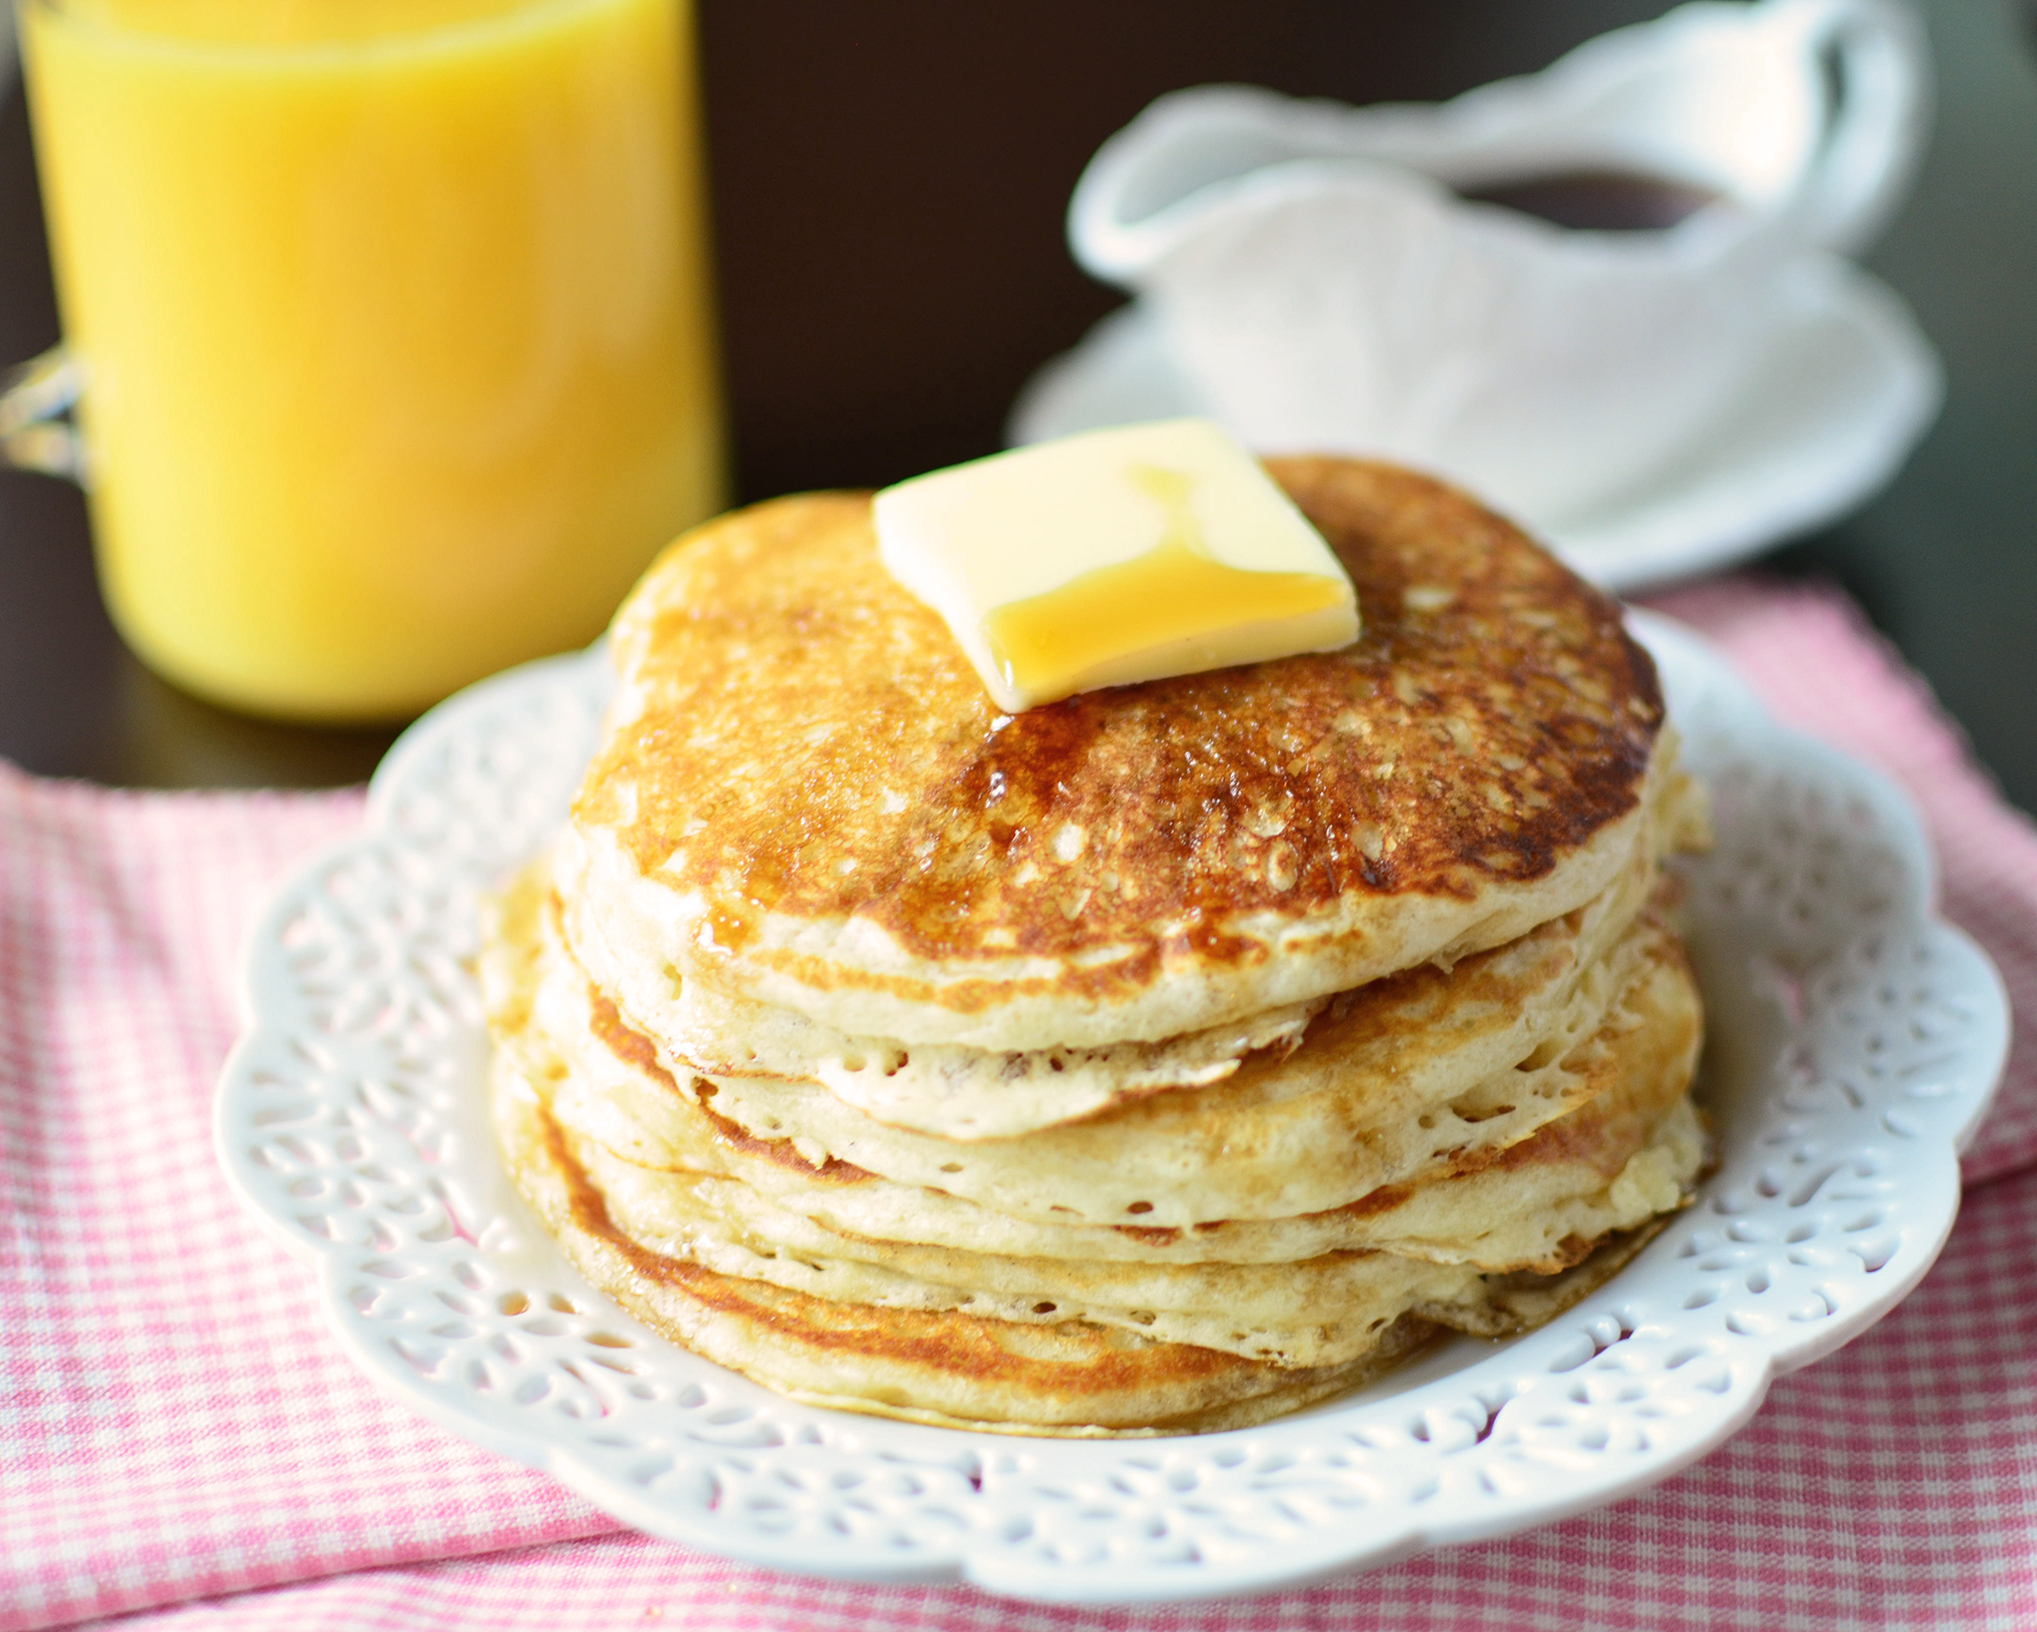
pixel 1599 200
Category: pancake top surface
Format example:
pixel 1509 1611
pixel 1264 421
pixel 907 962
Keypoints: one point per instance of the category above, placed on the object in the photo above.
pixel 799 746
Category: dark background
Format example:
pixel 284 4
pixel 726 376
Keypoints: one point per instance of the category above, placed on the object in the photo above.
pixel 889 183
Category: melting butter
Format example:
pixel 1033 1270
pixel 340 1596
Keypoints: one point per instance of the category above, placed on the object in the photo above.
pixel 1174 609
pixel 1114 557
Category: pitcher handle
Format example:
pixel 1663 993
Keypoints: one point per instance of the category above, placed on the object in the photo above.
pixel 35 433
pixel 1871 147
pixel 1146 185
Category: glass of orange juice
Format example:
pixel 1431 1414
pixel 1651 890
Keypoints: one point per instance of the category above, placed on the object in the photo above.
pixel 390 323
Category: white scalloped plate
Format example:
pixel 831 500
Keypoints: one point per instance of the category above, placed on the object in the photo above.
pixel 1855 1041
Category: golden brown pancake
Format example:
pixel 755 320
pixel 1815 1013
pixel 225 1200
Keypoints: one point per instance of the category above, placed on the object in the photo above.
pixel 961 1370
pixel 806 798
pixel 1422 1070
pixel 1159 1060
pixel 1492 1003
pixel 1623 1148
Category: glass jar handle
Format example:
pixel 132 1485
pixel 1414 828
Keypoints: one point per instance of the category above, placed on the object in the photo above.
pixel 36 432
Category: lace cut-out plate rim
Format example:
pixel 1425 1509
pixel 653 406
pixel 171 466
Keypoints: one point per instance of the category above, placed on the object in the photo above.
pixel 1855 1040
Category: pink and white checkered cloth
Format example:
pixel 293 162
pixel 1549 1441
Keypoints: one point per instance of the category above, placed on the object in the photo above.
pixel 180 1438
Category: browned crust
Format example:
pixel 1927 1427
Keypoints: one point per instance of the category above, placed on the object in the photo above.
pixel 636 1050
pixel 793 684
pixel 917 1364
pixel 947 1342
pixel 1605 1129
pixel 1100 1378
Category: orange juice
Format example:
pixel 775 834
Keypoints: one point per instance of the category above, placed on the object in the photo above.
pixel 395 325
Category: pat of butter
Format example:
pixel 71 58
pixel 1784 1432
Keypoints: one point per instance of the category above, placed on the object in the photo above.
pixel 1113 557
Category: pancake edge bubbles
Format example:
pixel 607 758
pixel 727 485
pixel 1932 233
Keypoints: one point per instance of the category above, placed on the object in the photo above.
pixel 866 840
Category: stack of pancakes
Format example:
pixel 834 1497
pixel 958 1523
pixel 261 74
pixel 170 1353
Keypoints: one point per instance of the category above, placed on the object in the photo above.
pixel 1162 1059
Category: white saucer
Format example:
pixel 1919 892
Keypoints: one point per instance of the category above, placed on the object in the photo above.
pixel 1848 386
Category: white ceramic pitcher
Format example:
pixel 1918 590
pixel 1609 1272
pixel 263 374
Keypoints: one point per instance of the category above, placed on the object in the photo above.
pixel 1324 286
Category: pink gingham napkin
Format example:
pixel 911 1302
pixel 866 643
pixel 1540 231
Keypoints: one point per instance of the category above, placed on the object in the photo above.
pixel 1809 652
pixel 179 1437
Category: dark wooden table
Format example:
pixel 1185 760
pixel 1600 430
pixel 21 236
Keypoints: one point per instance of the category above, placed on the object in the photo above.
pixel 889 182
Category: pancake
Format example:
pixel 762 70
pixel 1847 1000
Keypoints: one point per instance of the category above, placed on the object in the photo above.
pixel 957 1092
pixel 1313 1310
pixel 947 1089
pixel 805 799
pixel 1160 1060
pixel 1426 1068
pixel 948 1368
pixel 1631 1154
pixel 1629 1150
